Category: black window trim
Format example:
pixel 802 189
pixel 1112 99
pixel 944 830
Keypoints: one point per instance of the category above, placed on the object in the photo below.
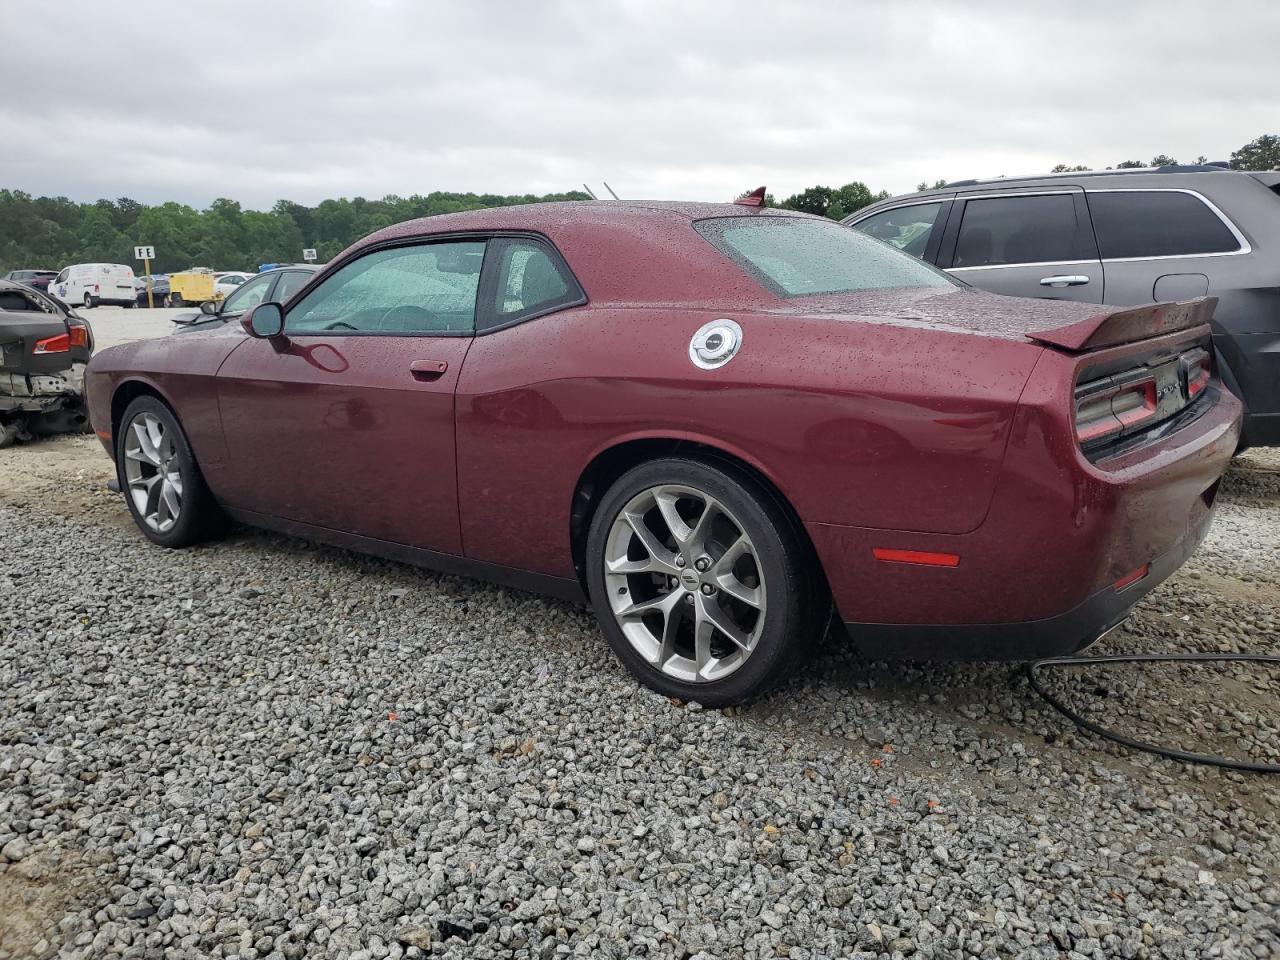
pixel 948 253
pixel 488 320
pixel 931 248
pixel 483 312
pixel 1244 248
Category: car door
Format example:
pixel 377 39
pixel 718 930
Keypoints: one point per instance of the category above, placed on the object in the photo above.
pixel 347 420
pixel 1025 244
pixel 58 286
pixel 914 228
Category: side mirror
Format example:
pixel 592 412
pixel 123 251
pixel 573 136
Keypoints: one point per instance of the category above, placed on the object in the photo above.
pixel 210 307
pixel 264 320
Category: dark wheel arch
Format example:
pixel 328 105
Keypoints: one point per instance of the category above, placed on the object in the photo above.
pixel 607 466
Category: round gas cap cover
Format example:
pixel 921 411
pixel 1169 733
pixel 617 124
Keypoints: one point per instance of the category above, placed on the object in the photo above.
pixel 715 344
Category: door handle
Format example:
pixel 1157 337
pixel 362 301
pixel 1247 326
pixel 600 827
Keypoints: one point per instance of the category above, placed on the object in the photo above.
pixel 428 369
pixel 1064 281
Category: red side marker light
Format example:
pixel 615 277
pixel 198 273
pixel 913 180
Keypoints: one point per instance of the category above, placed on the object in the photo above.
pixel 1129 579
pixel 921 557
pixel 753 199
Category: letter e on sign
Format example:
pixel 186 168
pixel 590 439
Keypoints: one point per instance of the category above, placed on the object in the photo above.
pixel 144 253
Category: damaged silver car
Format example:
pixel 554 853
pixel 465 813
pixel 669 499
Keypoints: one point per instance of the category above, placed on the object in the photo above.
pixel 44 346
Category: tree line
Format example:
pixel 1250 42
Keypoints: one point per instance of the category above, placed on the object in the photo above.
pixel 51 232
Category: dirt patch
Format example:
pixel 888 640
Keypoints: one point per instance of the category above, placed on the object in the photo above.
pixel 37 892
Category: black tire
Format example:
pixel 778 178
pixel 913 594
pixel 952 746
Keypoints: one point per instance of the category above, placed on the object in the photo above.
pixel 89 302
pixel 795 593
pixel 199 516
pixel 175 300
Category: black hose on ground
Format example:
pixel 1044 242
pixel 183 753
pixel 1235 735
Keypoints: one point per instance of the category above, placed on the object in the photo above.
pixel 1169 752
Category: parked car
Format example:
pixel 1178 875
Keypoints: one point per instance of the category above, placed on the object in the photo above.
pixel 279 285
pixel 709 419
pixel 44 347
pixel 32 278
pixel 226 283
pixel 159 289
pixel 89 284
pixel 1121 237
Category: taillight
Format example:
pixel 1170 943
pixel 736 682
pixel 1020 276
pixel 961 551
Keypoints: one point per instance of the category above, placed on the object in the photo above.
pixel 97 288
pixel 59 344
pixel 79 335
pixel 1105 408
pixel 1197 368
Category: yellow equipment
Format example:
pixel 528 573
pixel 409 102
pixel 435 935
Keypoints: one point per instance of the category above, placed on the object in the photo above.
pixel 192 286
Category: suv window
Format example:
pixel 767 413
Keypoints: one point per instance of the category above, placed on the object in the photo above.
pixel 796 257
pixel 1156 223
pixel 907 228
pixel 1039 228
pixel 530 281
pixel 427 288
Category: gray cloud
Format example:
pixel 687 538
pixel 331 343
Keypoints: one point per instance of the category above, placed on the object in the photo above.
pixel 663 99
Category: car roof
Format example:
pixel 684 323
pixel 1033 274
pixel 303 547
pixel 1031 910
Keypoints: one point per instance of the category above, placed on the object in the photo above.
pixel 620 251
pixel 1180 176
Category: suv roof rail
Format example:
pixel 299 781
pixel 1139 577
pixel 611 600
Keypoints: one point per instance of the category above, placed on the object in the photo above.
pixel 1217 166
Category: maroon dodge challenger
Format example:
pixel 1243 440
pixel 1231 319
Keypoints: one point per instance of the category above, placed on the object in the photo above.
pixel 712 421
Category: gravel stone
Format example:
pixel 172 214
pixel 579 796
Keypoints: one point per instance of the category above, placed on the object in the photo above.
pixel 267 748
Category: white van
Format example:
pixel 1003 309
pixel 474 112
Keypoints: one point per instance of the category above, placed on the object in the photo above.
pixel 89 284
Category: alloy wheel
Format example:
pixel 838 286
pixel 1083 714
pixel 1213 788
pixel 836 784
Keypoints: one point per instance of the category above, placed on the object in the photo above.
pixel 685 583
pixel 152 471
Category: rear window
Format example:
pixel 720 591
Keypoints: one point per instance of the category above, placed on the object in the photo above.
pixel 796 257
pixel 1156 223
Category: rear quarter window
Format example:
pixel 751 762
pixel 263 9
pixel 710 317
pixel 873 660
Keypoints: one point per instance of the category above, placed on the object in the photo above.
pixel 1157 223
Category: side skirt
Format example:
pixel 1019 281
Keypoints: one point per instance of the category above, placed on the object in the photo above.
pixel 543 584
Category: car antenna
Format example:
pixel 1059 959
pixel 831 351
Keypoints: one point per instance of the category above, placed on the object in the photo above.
pixel 610 189
pixel 753 199
pixel 589 193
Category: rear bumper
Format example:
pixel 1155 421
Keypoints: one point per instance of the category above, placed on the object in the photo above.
pixel 1056 636
pixel 1038 576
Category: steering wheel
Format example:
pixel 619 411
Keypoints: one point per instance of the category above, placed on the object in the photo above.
pixel 408 317
pixel 339 325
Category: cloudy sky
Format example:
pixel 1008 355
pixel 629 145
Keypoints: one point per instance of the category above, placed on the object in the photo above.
pixel 696 99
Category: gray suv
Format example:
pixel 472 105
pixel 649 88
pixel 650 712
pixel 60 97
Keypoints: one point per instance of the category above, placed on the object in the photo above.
pixel 1121 237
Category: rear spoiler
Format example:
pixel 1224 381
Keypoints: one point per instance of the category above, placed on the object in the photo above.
pixel 1126 326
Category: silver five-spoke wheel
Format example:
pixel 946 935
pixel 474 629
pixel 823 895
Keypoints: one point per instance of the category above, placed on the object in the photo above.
pixel 152 471
pixel 684 583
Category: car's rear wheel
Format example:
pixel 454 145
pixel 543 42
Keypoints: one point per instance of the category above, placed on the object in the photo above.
pixel 702 585
pixel 161 480
pixel 89 302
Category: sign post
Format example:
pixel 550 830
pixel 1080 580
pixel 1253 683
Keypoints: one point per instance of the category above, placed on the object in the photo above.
pixel 146 255
pixel 309 255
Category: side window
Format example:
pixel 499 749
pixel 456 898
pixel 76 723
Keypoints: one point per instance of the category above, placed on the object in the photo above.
pixel 291 282
pixel 907 228
pixel 1025 229
pixel 428 288
pixel 248 294
pixel 530 281
pixel 1157 223
pixel 62 277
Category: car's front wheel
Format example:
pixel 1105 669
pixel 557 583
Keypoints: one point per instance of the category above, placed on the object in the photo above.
pixel 703 586
pixel 160 478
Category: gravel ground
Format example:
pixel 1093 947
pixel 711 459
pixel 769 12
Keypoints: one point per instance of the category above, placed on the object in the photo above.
pixel 264 748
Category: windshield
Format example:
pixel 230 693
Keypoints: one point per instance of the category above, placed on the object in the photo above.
pixel 796 257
